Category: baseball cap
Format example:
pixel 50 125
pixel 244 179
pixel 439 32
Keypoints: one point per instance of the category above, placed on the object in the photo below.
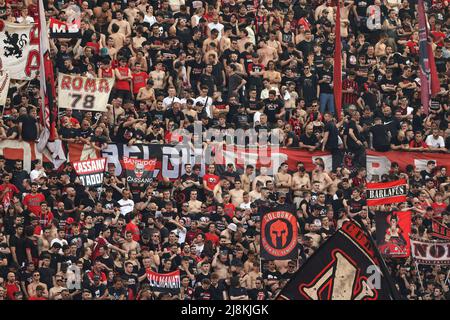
pixel 232 227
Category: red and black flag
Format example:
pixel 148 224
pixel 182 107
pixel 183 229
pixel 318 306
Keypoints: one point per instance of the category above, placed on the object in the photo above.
pixel 47 83
pixel 279 233
pixel 337 68
pixel 91 171
pixel 379 193
pixel 139 170
pixel 346 267
pixel 393 231
pixel 429 80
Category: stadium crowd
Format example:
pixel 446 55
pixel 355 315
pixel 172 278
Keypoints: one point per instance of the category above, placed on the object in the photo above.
pixel 230 64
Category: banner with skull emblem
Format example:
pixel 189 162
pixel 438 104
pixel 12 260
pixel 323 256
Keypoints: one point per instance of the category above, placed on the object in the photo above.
pixel 139 170
pixel 279 231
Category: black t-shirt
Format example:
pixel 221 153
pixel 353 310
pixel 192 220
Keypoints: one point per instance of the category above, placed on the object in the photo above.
pixel 306 47
pixel 258 294
pixel 29 129
pixel 380 137
pixel 203 294
pixel 308 85
pixel 19 244
pixel 327 75
pixel 272 108
pixel 295 140
pixel 196 70
pixel 309 141
pixel 175 117
pixel 272 275
pixel 333 134
pixel 236 292
pixel 350 142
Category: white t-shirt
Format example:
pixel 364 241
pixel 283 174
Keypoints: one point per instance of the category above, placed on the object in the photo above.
pixel 436 143
pixel 126 206
pixel 218 26
pixel 36 174
pixel 203 100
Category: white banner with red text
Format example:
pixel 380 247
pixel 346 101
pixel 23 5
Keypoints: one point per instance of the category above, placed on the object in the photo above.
pixel 82 93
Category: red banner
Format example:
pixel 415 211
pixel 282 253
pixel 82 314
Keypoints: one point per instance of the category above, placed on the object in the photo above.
pixel 386 192
pixel 393 231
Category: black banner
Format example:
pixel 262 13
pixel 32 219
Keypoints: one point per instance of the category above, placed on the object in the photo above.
pixel 346 267
pixel 279 232
pixel 90 172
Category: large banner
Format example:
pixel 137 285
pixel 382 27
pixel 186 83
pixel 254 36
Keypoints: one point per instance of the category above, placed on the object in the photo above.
pixel 171 159
pixel 430 252
pixel 4 86
pixel 164 282
pixel 90 171
pixel 138 170
pixel 345 267
pixel 386 192
pixel 82 93
pixel 19 50
pixel 393 231
pixel 440 231
pixel 279 235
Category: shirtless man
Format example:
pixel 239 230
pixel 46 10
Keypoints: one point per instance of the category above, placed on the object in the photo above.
pixel 274 43
pixel 195 206
pixel 300 184
pixel 129 243
pixel 263 177
pixel 213 38
pixel 225 41
pixel 219 264
pixel 124 25
pixel 147 93
pixel 237 194
pixel 115 111
pixel 267 53
pixel 31 289
pixel 320 175
pixel 283 180
pixel 159 77
pixel 44 240
pixel 255 194
pixel 246 177
pixel 131 11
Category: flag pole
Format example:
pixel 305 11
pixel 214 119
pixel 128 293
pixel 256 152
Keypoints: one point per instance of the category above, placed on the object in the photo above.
pixel 420 276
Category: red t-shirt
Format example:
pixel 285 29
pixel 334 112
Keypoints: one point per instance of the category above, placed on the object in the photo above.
pixel 11 289
pixel 414 144
pixel 211 180
pixel 213 237
pixel 107 73
pixel 134 231
pixel 139 81
pixel 102 276
pixel 100 242
pixel 229 209
pixel 438 208
pixel 123 84
pixel 12 190
pixel 33 202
